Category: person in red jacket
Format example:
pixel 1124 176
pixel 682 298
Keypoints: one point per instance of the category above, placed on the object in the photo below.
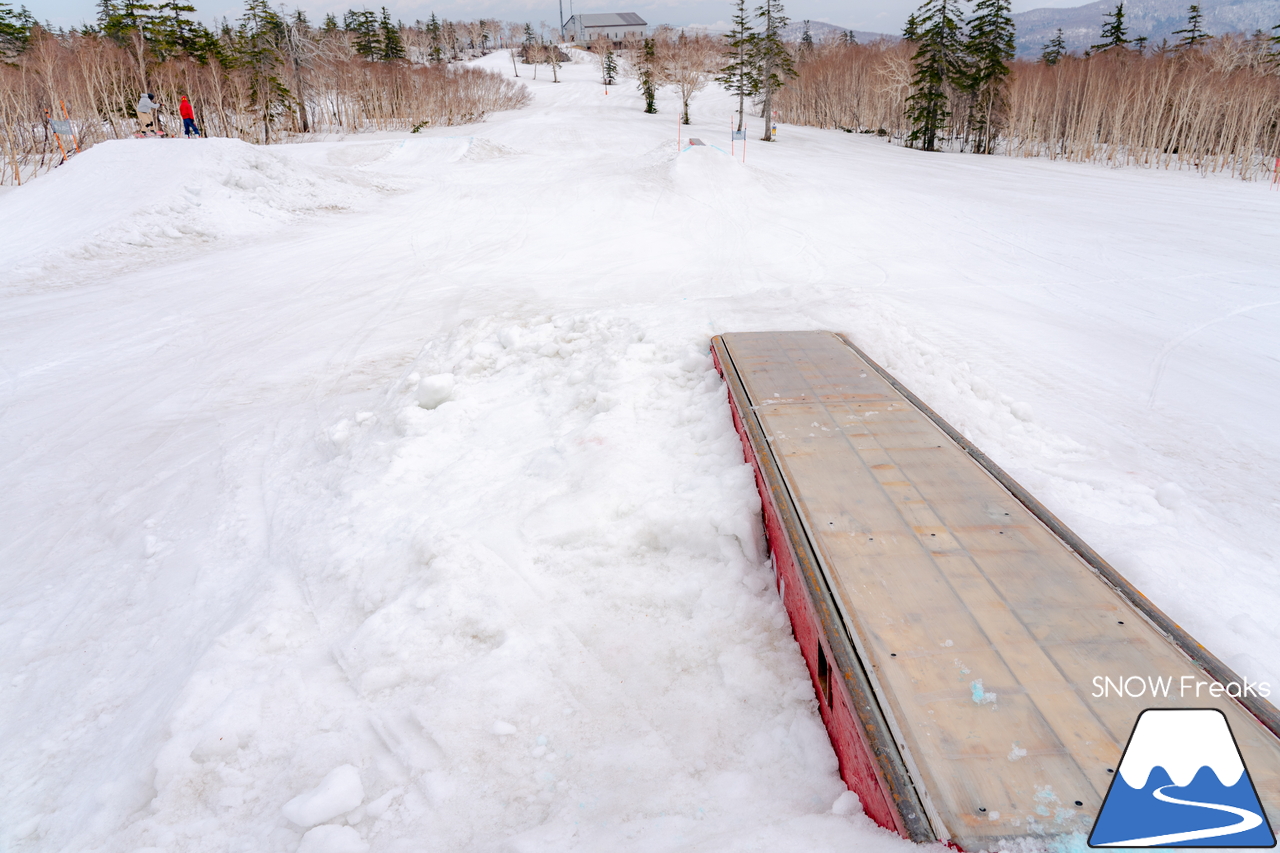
pixel 188 118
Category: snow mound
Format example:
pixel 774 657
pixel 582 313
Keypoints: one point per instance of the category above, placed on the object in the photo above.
pixel 128 196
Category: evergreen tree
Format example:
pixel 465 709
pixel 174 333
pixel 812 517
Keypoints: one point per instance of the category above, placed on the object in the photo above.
pixel 392 44
pixel 330 24
pixel 1274 53
pixel 1140 44
pixel 1194 32
pixel 911 30
pixel 610 67
pixel 990 48
pixel 772 59
pixel 939 67
pixel 647 74
pixel 1054 49
pixel 435 34
pixel 260 41
pixel 738 75
pixel 1113 31
pixel 806 40
pixel 173 33
pixel 15 29
pixel 849 37
pixel 367 37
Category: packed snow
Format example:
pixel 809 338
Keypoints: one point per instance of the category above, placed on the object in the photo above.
pixel 379 494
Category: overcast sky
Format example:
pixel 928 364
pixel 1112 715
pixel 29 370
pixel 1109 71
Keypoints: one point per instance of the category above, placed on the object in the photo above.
pixel 885 16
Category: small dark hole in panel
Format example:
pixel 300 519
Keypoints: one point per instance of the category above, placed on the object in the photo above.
pixel 824 676
pixel 1078 803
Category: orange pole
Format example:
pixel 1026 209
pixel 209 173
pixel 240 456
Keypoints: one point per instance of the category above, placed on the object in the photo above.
pixel 74 141
pixel 58 138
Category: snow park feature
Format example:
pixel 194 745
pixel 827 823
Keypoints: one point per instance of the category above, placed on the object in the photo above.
pixel 952 626
pixel 406 453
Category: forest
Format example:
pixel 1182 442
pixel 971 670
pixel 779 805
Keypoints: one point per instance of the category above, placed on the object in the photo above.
pixel 950 83
pixel 266 77
pixel 1206 103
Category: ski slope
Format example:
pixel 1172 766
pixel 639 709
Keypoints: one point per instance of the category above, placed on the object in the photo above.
pixel 379 494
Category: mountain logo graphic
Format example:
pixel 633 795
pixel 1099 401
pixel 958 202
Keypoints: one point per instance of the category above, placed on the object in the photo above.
pixel 1182 783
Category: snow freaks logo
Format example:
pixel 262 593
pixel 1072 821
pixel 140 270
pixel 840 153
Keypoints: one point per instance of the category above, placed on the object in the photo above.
pixel 1181 783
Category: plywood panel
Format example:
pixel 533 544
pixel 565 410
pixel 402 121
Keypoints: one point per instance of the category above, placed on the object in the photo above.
pixel 982 629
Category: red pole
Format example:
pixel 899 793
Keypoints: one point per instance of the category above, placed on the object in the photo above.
pixel 732 150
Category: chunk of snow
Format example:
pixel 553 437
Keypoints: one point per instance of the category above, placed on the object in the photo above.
pixel 332 839
pixel 338 793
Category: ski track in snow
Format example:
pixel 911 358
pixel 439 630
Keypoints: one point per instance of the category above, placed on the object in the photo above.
pixel 405 454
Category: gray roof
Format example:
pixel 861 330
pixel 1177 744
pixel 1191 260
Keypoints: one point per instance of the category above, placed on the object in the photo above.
pixel 612 19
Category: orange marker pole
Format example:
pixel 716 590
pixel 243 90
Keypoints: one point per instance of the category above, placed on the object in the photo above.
pixel 74 141
pixel 58 138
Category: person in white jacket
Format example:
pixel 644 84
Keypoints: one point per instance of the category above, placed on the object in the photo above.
pixel 148 114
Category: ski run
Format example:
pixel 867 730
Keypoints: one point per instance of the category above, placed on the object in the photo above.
pixel 379 494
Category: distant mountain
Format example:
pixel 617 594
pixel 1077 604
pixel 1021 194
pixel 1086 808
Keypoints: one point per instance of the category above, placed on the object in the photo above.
pixel 1155 19
pixel 822 31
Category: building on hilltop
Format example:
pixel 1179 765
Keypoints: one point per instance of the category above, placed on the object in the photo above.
pixel 618 27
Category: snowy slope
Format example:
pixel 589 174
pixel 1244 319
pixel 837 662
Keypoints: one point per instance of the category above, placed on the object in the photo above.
pixel 402 479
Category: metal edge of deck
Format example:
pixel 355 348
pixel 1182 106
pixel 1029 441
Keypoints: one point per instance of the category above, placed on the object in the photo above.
pixel 1265 712
pixel 894 776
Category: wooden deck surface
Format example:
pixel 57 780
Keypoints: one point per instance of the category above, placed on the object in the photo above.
pixel 981 631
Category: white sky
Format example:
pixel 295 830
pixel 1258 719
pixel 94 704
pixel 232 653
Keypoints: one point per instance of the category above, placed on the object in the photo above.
pixel 883 16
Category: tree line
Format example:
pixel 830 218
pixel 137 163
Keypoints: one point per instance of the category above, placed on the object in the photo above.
pixel 262 77
pixel 1204 102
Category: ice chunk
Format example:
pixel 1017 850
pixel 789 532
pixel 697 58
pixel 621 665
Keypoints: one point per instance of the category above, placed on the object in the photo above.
pixel 434 390
pixel 339 792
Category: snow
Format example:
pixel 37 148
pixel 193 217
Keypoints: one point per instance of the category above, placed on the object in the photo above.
pixel 404 455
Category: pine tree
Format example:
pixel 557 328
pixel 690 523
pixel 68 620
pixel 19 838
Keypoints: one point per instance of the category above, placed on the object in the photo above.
pixel 772 59
pixel 806 40
pixel 647 75
pixel 911 30
pixel 738 75
pixel 436 52
pixel 849 37
pixel 15 29
pixel 990 48
pixel 1054 49
pixel 330 24
pixel 938 68
pixel 363 26
pixel 392 44
pixel 1113 31
pixel 173 33
pixel 610 67
pixel 1194 33
pixel 260 41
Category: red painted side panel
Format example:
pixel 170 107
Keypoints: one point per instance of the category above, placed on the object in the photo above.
pixel 857 761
